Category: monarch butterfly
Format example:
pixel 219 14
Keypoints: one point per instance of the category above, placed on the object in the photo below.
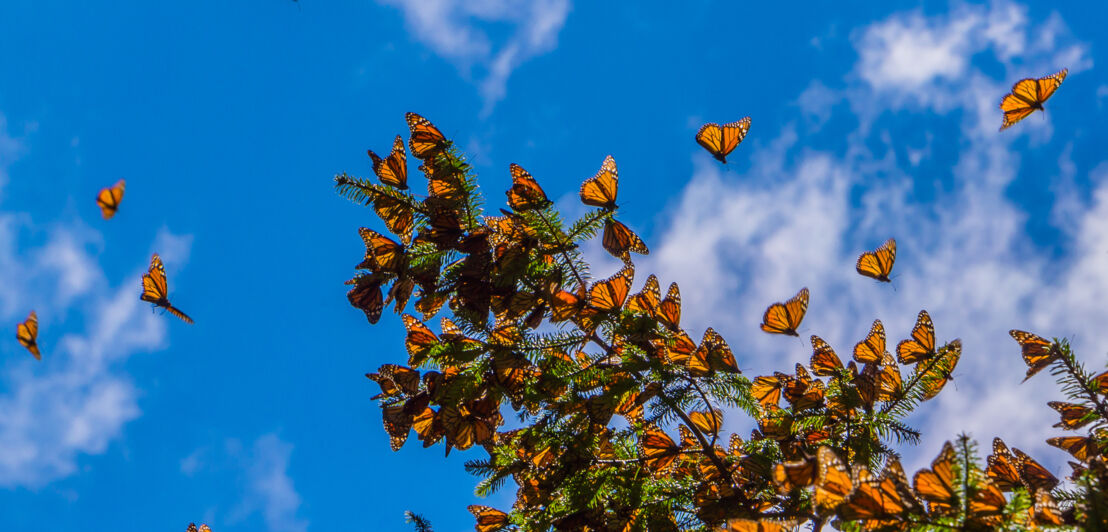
pixel 833 480
pixel 366 295
pixel 713 354
pixel 936 485
pixel 767 390
pixel 611 293
pixel 784 318
pixel 1028 95
pixel 395 380
pixel 987 504
pixel 488 519
pixel 565 305
pixel 776 424
pixel 27 334
pixel 824 363
pixel 648 299
pixel 419 340
pixel 109 197
pixel 669 310
pixel 619 239
pixel 796 474
pixel 802 392
pixel 888 380
pixel 398 422
pixel 525 194
pixel 382 254
pixel 1046 509
pixel 1073 416
pixel 1002 467
pixel 397 216
pixel 600 190
pixel 154 288
pixel 872 349
pixel 878 499
pixel 1079 446
pixel 445 185
pixel 765 525
pixel 472 423
pixel 1038 352
pixel 879 262
pixel 1033 474
pixel 392 170
pixel 428 427
pixel 921 346
pixel 709 422
pixel 949 354
pixel 426 140
pixel 203 528
pixel 657 449
pixel 721 140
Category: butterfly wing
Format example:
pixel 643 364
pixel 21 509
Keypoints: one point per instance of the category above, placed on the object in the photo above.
pixel 784 318
pixel 611 293
pixel 488 519
pixel 393 170
pixel 720 141
pixel 619 240
pixel 1038 352
pixel 600 190
pixel 426 140
pixel 525 194
pixel 922 344
pixel 878 263
pixel 27 334
pixel 872 349
pixel 108 199
pixel 154 287
pixel 824 363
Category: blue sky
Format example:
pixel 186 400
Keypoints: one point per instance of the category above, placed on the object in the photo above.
pixel 228 121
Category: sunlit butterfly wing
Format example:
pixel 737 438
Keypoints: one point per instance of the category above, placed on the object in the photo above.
pixel 1002 469
pixel 392 170
pixel 619 240
pixel 936 485
pixel 669 311
pixel 1074 416
pixel 155 289
pixel 833 480
pixel 600 190
pixel 488 519
pixel 872 349
pixel 426 140
pixel 1028 95
pixel 921 346
pixel 656 449
pixel 1079 446
pixel 879 262
pixel 824 363
pixel 784 318
pixel 27 334
pixel 525 194
pixel 611 293
pixel 1038 352
pixel 719 140
pixel 382 254
pixel 108 199
pixel 366 295
pixel 1033 474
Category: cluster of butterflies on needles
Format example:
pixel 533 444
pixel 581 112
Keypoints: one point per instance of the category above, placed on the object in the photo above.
pixel 154 287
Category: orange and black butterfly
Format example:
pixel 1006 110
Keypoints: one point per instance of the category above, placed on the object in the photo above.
pixel 921 346
pixel 611 293
pixel 719 140
pixel 27 334
pixel 936 485
pixel 109 197
pixel 713 354
pixel 600 190
pixel 1046 510
pixel 647 300
pixel 525 194
pixel 784 318
pixel 767 390
pixel 879 262
pixel 796 474
pixel 426 140
pixel 1028 95
pixel 1038 352
pixel 987 505
pixel 488 519
pixel 879 499
pixel 1033 474
pixel 382 254
pixel 709 422
pixel 366 295
pixel 619 239
pixel 1080 447
pixel 397 216
pixel 872 349
pixel 824 363
pixel 764 525
pixel 395 380
pixel 833 480
pixel 669 310
pixel 1002 469
pixel 1074 416
pixel 419 340
pixel 392 170
pixel 155 290
pixel 657 449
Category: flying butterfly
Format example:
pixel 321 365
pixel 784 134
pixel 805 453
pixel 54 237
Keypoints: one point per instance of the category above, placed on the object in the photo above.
pixel 921 346
pixel 824 363
pixel 620 239
pixel 600 190
pixel 156 291
pixel 426 140
pixel 872 349
pixel 784 318
pixel 27 334
pixel 488 519
pixel 719 140
pixel 1038 352
pixel 392 170
pixel 879 262
pixel 109 197
pixel 936 485
pixel 525 194
pixel 1028 95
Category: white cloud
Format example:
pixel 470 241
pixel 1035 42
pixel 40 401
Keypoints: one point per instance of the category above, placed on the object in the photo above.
pixel 76 401
pixel 459 31
pixel 800 217
pixel 10 149
pixel 268 488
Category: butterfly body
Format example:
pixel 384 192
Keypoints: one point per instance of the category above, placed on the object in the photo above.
pixel 108 199
pixel 27 334
pixel 156 291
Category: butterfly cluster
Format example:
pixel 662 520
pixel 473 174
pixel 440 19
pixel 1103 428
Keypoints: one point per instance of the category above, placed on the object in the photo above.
pixel 619 412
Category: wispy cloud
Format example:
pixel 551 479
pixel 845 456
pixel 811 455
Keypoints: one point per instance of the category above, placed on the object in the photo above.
pixel 266 487
pixel 77 400
pixel 801 214
pixel 461 32
pixel 10 149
